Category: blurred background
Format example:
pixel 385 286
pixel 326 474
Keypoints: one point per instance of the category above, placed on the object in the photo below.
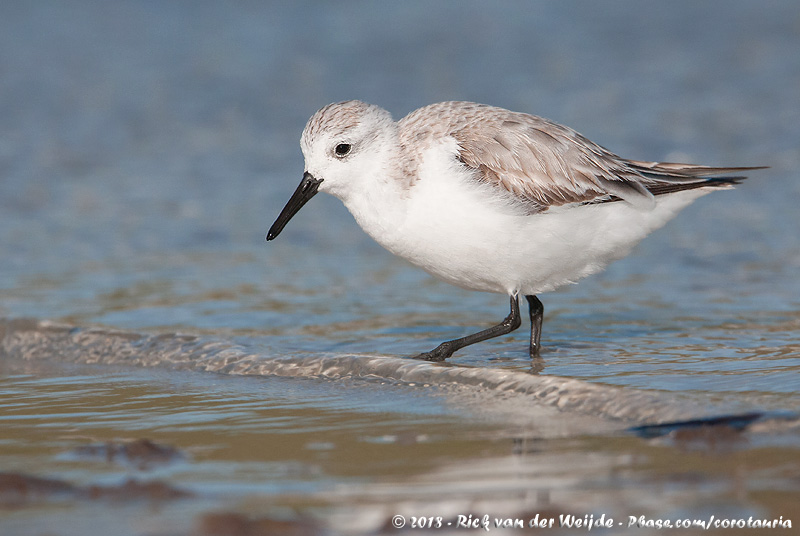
pixel 146 147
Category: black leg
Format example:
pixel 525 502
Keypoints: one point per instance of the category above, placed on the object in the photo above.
pixel 537 315
pixel 446 349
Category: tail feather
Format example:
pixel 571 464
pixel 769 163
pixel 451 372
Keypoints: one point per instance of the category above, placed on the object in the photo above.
pixel 669 177
pixel 661 188
pixel 676 172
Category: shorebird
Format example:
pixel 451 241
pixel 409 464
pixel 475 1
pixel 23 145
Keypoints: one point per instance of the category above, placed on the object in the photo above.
pixel 489 199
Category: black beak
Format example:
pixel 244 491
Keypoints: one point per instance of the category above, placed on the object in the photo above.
pixel 307 189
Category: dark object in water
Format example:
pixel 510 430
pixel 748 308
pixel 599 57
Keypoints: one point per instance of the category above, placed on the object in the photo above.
pixel 18 490
pixel 733 423
pixel 229 523
pixel 141 453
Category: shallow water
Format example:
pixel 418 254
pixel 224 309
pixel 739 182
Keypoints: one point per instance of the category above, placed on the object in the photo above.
pixel 144 151
pixel 348 455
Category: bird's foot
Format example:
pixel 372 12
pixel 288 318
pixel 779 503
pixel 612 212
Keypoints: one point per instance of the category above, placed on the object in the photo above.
pixel 438 354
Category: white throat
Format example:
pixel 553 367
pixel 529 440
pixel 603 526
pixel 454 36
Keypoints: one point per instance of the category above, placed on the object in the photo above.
pixel 375 190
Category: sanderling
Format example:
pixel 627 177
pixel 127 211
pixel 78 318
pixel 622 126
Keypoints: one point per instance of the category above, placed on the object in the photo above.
pixel 489 199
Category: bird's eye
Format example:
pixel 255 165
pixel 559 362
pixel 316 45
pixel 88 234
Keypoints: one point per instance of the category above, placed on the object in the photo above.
pixel 342 150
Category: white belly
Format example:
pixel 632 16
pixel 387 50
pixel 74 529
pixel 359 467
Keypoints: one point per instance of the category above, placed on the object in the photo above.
pixel 471 238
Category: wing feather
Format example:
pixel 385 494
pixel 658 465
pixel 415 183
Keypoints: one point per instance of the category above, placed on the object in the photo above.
pixel 547 164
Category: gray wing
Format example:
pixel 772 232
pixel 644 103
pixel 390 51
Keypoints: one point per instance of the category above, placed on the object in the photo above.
pixel 545 164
